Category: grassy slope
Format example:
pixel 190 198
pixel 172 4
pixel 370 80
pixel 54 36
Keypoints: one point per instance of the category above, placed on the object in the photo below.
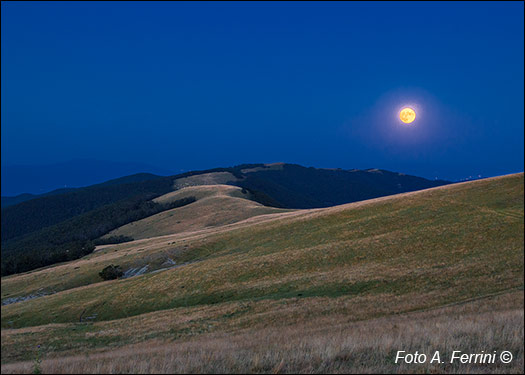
pixel 238 339
pixel 448 243
pixel 216 205
pixel 358 261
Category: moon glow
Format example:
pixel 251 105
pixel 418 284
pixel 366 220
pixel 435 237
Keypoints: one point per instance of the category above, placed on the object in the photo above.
pixel 407 115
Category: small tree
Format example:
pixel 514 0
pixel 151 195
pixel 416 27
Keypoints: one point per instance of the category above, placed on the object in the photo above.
pixel 111 272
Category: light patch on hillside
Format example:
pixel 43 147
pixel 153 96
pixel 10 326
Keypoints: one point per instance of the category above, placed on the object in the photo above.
pixel 267 167
pixel 213 178
pixel 200 192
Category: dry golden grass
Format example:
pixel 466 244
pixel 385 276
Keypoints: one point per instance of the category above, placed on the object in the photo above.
pixel 216 205
pixel 200 192
pixel 213 178
pixel 330 344
pixel 295 279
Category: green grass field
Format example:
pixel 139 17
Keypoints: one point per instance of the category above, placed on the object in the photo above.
pixel 352 263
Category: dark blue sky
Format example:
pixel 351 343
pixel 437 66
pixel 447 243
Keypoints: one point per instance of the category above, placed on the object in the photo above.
pixel 194 86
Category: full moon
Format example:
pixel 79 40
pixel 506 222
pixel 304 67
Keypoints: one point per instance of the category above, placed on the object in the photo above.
pixel 407 115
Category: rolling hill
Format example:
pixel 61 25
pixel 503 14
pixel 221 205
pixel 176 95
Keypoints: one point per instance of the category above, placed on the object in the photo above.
pixel 452 251
pixel 216 205
pixel 58 227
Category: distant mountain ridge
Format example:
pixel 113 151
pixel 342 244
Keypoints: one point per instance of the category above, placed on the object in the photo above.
pixel 295 186
pixel 40 179
pixel 9 201
pixel 64 224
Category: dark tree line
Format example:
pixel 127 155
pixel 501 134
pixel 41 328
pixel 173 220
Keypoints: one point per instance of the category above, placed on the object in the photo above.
pixel 75 237
pixel 30 216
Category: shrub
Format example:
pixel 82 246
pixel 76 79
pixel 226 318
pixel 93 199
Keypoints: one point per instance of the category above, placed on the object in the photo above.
pixel 111 272
pixel 37 362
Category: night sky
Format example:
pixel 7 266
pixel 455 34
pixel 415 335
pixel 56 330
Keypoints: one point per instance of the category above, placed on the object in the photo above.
pixel 193 86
